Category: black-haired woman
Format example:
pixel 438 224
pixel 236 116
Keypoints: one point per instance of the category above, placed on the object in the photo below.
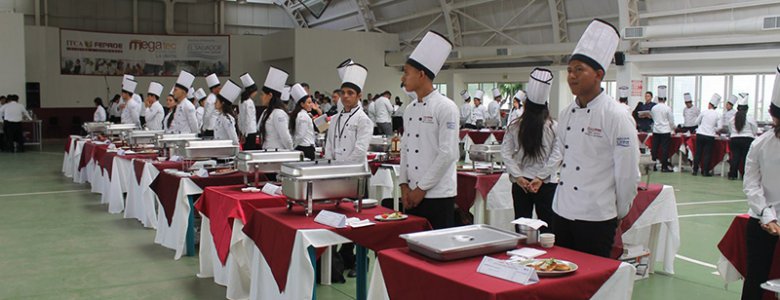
pixel 100 111
pixel 526 150
pixel 225 126
pixel 273 124
pixel 743 130
pixel 301 122
pixel 170 102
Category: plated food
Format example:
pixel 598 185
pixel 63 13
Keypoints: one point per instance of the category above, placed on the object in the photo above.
pixel 394 216
pixel 218 172
pixel 550 266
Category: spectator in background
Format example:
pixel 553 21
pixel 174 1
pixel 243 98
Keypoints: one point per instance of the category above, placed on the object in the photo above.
pixel 644 121
pixel 114 110
pixel 383 110
pixel 12 114
pixel 100 111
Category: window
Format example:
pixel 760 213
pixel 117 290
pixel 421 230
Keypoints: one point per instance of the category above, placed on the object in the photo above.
pixel 765 99
pixel 441 87
pixel 745 84
pixel 486 87
pixel 711 85
pixel 610 87
pixel 680 86
pixel 654 82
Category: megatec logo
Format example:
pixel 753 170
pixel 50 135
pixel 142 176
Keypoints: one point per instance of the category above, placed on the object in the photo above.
pixel 151 46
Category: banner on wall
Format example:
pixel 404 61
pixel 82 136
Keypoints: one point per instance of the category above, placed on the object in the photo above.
pixel 115 54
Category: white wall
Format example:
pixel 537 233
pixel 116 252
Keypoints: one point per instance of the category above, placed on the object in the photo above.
pixel 12 58
pixel 58 90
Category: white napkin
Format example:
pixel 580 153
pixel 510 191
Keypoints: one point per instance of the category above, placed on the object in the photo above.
pixel 272 189
pixel 533 223
pixel 175 158
pixel 525 253
pixel 357 222
pixel 202 172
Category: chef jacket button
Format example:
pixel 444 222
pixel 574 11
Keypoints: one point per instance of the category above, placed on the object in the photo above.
pixel 566 146
pixel 424 104
pixel 575 188
pixel 568 128
pixel 573 110
pixel 407 150
pixel 578 168
pixel 415 167
pixel 344 149
pixel 410 181
pixel 420 118
pixel 588 110
pixel 564 165
pixel 408 134
pixel 417 135
pixel 583 130
pixel 560 183
pixel 414 104
pixel 417 151
pixel 410 118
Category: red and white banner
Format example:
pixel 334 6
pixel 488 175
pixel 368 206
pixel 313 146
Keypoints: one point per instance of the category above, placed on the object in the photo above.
pixel 97 53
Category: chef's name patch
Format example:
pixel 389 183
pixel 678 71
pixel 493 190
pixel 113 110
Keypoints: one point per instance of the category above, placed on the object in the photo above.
pixel 427 119
pixel 452 125
pixel 595 132
pixel 624 141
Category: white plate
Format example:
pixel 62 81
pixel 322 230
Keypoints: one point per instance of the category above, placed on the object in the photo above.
pixel 367 203
pixel 572 265
pixel 380 218
pixel 214 173
pixel 772 285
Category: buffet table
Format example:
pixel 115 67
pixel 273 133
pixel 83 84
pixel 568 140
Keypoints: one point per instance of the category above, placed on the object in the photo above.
pixel 284 259
pixel 719 151
pixel 732 264
pixel 474 137
pixel 402 274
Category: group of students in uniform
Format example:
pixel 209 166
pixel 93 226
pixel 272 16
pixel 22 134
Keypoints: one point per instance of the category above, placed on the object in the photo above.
pixel 657 117
pixel 478 115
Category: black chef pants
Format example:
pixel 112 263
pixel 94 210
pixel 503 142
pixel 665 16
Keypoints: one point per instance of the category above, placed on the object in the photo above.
pixel 739 148
pixel 691 129
pixel 585 236
pixel 308 151
pixel 760 250
pixel 470 126
pixel 660 149
pixel 13 133
pixel 440 212
pixel 703 154
pixel 250 143
pixel 525 202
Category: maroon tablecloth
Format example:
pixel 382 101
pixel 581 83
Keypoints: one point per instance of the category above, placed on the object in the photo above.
pixel 674 144
pixel 105 159
pixel 223 204
pixel 166 186
pixel 374 165
pixel 733 246
pixel 469 183
pixel 462 133
pixel 273 231
pixel 499 135
pixel 88 153
pixel 719 150
pixel 411 276
pixel 138 166
pixel 67 144
pixel 642 201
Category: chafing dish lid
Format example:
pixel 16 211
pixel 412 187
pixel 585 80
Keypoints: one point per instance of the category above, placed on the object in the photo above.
pixel 270 156
pixel 460 238
pixel 211 144
pixel 324 169
pixel 486 147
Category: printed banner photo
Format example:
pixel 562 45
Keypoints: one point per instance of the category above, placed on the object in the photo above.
pixel 115 54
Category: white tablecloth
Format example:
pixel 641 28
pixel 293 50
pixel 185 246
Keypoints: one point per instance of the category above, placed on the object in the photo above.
pixel 619 286
pixel 235 274
pixel 175 235
pixel 658 229
pixel 141 201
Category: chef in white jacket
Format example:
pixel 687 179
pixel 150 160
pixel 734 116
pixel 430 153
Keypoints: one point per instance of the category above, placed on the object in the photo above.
pixel 494 110
pixel 301 122
pixel 708 122
pixel 690 114
pixel 184 119
pixel 597 140
pixel 350 131
pixel 225 124
pixel 743 130
pixel 247 124
pixel 429 146
pixel 623 94
pixel 100 112
pixel 517 107
pixel 478 114
pixel 763 194
pixel 153 110
pixel 272 126
pixel 663 123
pixel 200 111
pixel 728 113
pixel 131 112
pixel 209 111
pixel 465 108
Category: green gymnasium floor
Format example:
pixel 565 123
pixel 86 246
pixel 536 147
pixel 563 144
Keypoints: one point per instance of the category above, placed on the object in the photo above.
pixel 58 242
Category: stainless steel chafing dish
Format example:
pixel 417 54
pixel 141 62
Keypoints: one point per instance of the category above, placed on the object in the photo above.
pixel 139 137
pixel 93 128
pixel 266 161
pixel 461 242
pixel 379 143
pixel 119 129
pixel 306 182
pixel 320 142
pixel 173 144
pixel 210 149
pixel 486 153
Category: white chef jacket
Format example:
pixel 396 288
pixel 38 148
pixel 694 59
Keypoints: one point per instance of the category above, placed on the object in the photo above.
pixel 761 173
pixel 600 156
pixel 690 115
pixel 210 112
pixel 750 129
pixel 199 112
pixel 166 128
pixel 304 130
pixel 477 113
pixel 99 115
pixel 429 146
pixel 225 128
pixel 14 112
pixel 277 134
pixel 513 154
pixel 494 109
pixel 246 118
pixel 727 116
pixel 514 114
pixel 709 122
pixel 663 119
pixel 113 108
pixel 399 110
pixel 184 119
pixel 154 116
pixel 131 114
pixel 348 136
pixel 371 109
pixel 465 111
pixel 384 110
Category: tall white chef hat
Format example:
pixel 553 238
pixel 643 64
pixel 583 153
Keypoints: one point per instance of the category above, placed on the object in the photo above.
pixel 212 81
pixel 662 92
pixel 342 66
pixel 715 100
pixel 191 93
pixel 248 82
pixel 597 45
pixel 275 80
pixel 128 86
pixel 733 99
pixel 464 94
pixel 185 80
pixel 520 95
pixel 430 54
pixel 155 88
pixel 496 93
pixel 354 77
pixel 298 92
pixel 774 108
pixel 173 88
pixel 538 89
pixel 479 94
pixel 687 97
pixel 624 92
pixel 743 99
pixel 229 92
pixel 200 94
pixel 285 93
pixel 127 77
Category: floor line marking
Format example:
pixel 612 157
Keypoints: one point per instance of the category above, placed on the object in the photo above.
pixel 698 262
pixel 711 202
pixel 44 193
pixel 710 215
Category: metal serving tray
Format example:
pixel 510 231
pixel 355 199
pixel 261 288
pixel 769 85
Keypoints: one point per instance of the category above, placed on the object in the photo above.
pixel 306 182
pixel 324 169
pixel 266 160
pixel 94 127
pixel 461 242
pixel 164 140
pixel 486 153
pixel 118 129
pixel 137 137
pixel 211 148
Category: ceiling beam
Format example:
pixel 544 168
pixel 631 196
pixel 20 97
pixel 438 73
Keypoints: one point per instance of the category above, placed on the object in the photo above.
pixel 366 15
pixel 706 9
pixel 519 12
pixel 558 17
pixel 449 21
pixel 487 26
pixel 425 13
